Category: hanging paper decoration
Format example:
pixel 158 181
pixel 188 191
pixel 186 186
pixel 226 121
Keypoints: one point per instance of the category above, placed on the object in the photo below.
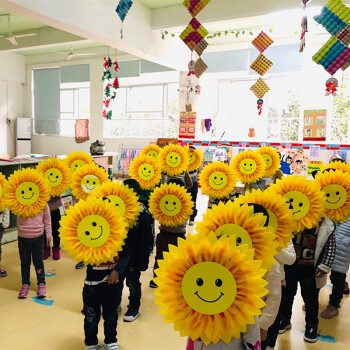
pixel 335 53
pixel 200 67
pixel 304 27
pixel 110 90
pixel 193 34
pixel 261 65
pixel 122 10
pixel 202 45
pixel 191 68
pixel 195 6
pixel 331 86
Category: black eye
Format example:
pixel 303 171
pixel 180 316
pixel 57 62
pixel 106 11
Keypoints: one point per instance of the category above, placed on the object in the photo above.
pixel 87 181
pixel 30 189
pixel 87 233
pixel 328 194
pixel 239 240
pixel 94 223
pixel 218 282
pixel 56 177
pixel 337 193
pixel 175 158
pixel 245 164
pixel 149 172
pixel 291 200
pixel 22 192
pixel 215 177
pixel 76 165
pixel 251 164
pixel 199 282
pixel 51 174
pixel 166 202
pixel 94 183
pixel 171 157
pixel 144 168
pixel 300 204
pixel 221 178
pixel 174 203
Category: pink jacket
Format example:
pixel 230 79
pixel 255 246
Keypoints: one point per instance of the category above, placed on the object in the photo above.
pixel 33 227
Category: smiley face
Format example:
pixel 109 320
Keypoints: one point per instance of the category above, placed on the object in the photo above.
pixel 152 153
pixel 247 166
pixel 117 202
pixel 191 158
pixel 173 159
pixel 170 205
pixel 93 231
pixel 218 180
pixel 268 160
pixel 209 288
pixel 77 164
pixel 298 203
pixel 27 193
pixel 242 236
pixel 146 171
pixel 336 196
pixel 53 176
pixel 89 183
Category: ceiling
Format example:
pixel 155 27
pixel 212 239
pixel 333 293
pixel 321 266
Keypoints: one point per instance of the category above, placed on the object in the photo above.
pixel 156 4
pixel 18 23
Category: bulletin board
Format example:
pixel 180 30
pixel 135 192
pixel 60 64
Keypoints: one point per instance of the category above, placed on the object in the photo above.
pixel 315 125
pixel 187 125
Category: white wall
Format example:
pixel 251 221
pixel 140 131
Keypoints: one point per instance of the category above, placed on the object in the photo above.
pixel 12 77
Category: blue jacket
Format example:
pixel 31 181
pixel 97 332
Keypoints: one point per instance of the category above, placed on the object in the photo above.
pixel 342 254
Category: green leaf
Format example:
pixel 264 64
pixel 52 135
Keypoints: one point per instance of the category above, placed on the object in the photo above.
pixel 237 35
pixel 173 35
pixel 219 34
pixel 251 33
pixel 270 30
pixel 163 36
pixel 226 32
pixel 215 34
pixel 166 32
pixel 243 31
pixel 209 37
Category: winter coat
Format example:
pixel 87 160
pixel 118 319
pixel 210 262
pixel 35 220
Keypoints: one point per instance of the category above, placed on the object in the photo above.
pixel 342 252
pixel 140 241
pixel 4 219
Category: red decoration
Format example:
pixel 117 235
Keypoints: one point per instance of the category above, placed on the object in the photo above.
pixel 260 106
pixel 251 132
pixel 331 86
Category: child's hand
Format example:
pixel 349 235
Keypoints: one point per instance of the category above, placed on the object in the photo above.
pixel 319 273
pixel 113 278
pixel 48 241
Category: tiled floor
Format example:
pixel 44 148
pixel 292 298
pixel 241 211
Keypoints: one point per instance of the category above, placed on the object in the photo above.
pixel 57 323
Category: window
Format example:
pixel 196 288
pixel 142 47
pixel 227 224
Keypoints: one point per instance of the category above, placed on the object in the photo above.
pixel 144 111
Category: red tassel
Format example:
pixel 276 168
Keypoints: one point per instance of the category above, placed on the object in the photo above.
pixel 106 64
pixel 260 106
pixel 116 66
pixel 116 83
pixel 191 72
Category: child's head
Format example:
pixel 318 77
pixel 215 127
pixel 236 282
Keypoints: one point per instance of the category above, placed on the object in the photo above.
pixel 134 185
pixel 192 148
pixel 257 208
pixel 176 182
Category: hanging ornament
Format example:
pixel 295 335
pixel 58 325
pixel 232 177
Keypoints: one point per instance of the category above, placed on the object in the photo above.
pixel 122 10
pixel 304 27
pixel 197 90
pixel 331 86
pixel 191 68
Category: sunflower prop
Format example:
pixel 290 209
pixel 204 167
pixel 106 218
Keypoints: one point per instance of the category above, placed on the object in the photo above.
pixel 217 180
pixel 280 216
pixel 151 151
pixel 93 231
pixel 195 159
pixel 272 160
pixel 305 199
pixel 2 187
pixel 26 192
pixel 86 179
pixel 336 187
pixel 232 219
pixel 57 174
pixel 344 167
pixel 146 171
pixel 173 160
pixel 171 205
pixel 248 167
pixel 209 288
pixel 78 159
pixel 123 197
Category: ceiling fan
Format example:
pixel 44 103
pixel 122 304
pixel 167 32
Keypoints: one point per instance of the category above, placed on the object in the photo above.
pixel 12 38
pixel 72 54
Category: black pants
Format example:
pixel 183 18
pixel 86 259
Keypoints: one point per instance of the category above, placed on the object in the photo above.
pixel 133 283
pixel 162 245
pixel 194 192
pixel 55 223
pixel 305 275
pixel 338 281
pixel 1 234
pixel 107 296
pixel 272 332
pixel 31 248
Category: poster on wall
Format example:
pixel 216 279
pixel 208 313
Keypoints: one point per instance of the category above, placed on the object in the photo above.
pixel 315 125
pixel 187 125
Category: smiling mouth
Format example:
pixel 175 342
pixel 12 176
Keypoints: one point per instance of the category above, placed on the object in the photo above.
pixel 144 174
pixel 29 197
pixel 217 184
pixel 90 189
pixel 247 169
pixel 299 211
pixel 333 202
pixel 169 209
pixel 51 181
pixel 94 239
pixel 172 162
pixel 209 301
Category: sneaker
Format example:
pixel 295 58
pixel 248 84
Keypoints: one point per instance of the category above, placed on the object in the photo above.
pixel 191 223
pixel 284 326
pixel 119 308
pixel 131 315
pixel 112 346
pixel 346 289
pixel 41 291
pixel 91 347
pixel 56 253
pixel 79 265
pixel 24 291
pixel 47 252
pixel 152 284
pixel 3 273
pixel 310 335
pixel 329 312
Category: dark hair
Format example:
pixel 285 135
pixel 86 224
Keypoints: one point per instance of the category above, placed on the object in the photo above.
pixel 133 184
pixel 298 161
pixel 257 208
pixel 289 157
pixel 192 148
pixel 338 160
pixel 176 182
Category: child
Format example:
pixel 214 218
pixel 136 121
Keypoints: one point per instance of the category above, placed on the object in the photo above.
pixel 339 269
pixel 140 242
pixel 102 291
pixel 167 235
pixel 315 250
pixel 31 246
pixel 4 223
pixel 193 190
pixel 54 205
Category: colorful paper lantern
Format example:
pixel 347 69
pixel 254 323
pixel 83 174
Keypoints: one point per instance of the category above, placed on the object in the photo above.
pixel 193 34
pixel 195 6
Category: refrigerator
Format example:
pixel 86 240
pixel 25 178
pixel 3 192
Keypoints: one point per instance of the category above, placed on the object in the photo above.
pixel 23 136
